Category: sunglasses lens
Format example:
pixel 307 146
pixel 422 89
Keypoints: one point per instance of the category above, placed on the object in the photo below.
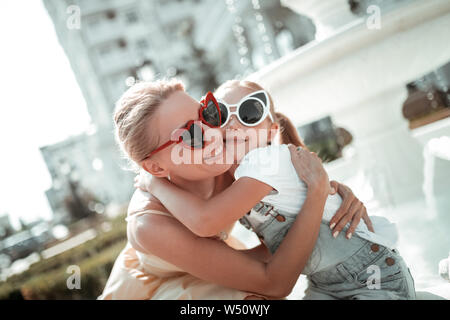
pixel 193 137
pixel 251 111
pixel 211 114
pixel 223 113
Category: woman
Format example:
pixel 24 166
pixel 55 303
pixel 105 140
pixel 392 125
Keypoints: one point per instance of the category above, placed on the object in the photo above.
pixel 164 260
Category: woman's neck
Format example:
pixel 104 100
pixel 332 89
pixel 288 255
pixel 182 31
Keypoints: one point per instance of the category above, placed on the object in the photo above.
pixel 202 188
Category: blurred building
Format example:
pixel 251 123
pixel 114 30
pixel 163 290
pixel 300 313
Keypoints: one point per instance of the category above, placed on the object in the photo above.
pixel 171 38
pixel 85 167
pixel 19 244
pixel 111 44
pixel 23 243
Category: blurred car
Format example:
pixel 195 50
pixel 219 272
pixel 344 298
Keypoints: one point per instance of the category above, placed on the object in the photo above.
pixel 20 245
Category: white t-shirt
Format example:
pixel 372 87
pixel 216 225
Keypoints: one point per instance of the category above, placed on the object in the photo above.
pixel 272 165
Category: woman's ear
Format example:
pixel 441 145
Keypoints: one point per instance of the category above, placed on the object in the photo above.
pixel 155 169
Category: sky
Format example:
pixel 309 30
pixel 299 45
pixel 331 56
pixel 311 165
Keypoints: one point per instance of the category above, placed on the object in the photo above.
pixel 40 104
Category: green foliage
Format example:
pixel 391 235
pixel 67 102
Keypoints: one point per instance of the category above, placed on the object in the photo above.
pixel 47 278
pixel 94 274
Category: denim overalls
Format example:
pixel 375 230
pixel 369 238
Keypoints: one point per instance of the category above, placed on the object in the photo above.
pixel 339 268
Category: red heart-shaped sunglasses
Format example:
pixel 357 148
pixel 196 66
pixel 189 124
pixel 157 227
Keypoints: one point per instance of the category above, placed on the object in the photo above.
pixel 192 134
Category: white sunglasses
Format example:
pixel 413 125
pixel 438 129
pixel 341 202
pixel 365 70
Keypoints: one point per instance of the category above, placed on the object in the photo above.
pixel 251 110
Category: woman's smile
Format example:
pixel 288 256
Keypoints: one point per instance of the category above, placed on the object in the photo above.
pixel 235 136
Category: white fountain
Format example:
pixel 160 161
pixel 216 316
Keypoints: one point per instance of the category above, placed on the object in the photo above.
pixel 357 74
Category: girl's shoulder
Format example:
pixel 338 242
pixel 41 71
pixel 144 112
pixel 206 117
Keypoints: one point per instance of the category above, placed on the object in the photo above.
pixel 263 154
pixel 143 202
pixel 266 161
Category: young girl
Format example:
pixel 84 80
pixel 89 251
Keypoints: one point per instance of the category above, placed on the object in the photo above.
pixel 267 196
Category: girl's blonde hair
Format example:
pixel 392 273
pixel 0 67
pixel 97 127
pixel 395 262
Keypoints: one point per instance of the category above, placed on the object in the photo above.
pixel 134 110
pixel 288 132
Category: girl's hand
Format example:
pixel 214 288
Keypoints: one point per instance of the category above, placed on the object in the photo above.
pixel 310 169
pixel 351 210
pixel 143 181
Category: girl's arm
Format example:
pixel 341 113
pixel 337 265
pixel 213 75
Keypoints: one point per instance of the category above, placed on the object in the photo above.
pixel 207 218
pixel 214 261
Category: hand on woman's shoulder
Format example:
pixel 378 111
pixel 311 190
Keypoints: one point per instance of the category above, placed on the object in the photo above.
pixel 143 201
pixel 138 231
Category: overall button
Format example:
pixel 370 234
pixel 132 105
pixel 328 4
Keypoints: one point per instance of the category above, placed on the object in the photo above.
pixel 375 247
pixel 280 218
pixel 390 261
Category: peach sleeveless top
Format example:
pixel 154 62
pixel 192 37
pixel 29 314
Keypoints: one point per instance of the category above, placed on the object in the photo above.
pixel 140 276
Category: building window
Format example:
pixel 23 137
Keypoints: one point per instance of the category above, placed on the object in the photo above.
pixel 142 44
pixel 131 17
pixel 105 51
pixel 122 43
pixel 110 14
pixel 93 22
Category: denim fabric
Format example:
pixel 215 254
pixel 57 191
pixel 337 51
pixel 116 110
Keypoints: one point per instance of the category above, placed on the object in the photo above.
pixel 349 279
pixel 339 268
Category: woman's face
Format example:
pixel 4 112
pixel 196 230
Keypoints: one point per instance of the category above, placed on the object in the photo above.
pixel 179 159
pixel 238 138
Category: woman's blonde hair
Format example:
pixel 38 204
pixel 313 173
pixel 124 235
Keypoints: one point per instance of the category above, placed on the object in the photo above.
pixel 133 113
pixel 288 132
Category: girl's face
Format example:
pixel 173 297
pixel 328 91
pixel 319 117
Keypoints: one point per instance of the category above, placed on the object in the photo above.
pixel 179 159
pixel 238 138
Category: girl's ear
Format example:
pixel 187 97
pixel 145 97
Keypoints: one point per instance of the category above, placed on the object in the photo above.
pixel 155 169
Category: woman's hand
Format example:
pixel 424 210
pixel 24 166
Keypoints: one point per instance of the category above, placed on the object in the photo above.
pixel 351 210
pixel 310 169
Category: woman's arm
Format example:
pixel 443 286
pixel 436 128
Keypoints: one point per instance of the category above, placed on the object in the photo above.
pixel 207 218
pixel 260 252
pixel 213 261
